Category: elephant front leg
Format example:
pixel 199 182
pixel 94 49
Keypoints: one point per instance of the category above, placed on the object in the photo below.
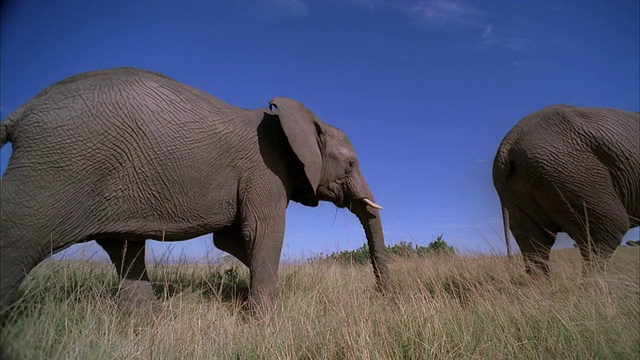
pixel 230 240
pixel 128 257
pixel 263 239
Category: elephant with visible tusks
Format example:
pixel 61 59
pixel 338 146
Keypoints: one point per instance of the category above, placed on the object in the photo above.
pixel 124 155
pixel 570 169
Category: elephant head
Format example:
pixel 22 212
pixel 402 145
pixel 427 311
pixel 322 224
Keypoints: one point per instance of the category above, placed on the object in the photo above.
pixel 332 174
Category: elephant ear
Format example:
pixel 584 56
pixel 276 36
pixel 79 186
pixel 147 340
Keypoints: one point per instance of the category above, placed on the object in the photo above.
pixel 299 125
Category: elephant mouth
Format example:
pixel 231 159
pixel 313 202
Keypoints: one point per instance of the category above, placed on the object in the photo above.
pixel 335 196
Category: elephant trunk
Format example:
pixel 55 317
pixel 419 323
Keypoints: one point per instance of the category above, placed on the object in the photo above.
pixel 367 212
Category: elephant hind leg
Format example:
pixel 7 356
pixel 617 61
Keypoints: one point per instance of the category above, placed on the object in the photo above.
pixel 22 248
pixel 14 267
pixel 598 232
pixel 534 240
pixel 595 258
pixel 128 258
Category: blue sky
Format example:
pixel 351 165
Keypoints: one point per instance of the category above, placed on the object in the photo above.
pixel 424 89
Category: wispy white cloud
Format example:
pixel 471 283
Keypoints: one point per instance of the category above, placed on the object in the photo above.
pixel 445 12
pixel 489 37
pixel 488 32
pixel 296 8
pixel 433 13
pixel 459 13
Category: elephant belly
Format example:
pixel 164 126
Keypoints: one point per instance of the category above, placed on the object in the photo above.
pixel 182 217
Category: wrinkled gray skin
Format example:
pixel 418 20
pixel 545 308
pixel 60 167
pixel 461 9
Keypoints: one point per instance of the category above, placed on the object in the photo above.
pixel 570 169
pixel 123 155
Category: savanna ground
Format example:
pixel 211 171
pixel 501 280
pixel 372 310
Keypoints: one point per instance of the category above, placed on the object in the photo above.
pixel 445 306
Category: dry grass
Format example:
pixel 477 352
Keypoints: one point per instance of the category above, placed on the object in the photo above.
pixel 443 307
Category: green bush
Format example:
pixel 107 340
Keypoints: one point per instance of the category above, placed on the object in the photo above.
pixel 440 246
pixel 401 249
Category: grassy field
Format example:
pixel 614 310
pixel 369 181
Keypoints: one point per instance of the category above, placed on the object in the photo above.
pixel 444 307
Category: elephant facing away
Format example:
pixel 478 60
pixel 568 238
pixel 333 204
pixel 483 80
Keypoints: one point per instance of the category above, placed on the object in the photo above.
pixel 570 169
pixel 124 155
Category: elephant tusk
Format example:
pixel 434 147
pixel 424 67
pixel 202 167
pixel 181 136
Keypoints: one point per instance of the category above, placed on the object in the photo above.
pixel 372 204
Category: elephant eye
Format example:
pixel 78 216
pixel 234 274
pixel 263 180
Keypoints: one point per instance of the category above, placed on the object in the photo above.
pixel 351 165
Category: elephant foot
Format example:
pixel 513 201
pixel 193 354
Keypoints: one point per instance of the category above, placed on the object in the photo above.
pixel 137 294
pixel 259 307
pixel 257 315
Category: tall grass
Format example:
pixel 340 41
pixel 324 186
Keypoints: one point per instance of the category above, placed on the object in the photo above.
pixel 442 307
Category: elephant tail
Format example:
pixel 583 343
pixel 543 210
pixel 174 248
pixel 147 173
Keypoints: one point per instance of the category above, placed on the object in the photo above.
pixel 505 224
pixel 8 125
pixel 4 133
pixel 503 168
